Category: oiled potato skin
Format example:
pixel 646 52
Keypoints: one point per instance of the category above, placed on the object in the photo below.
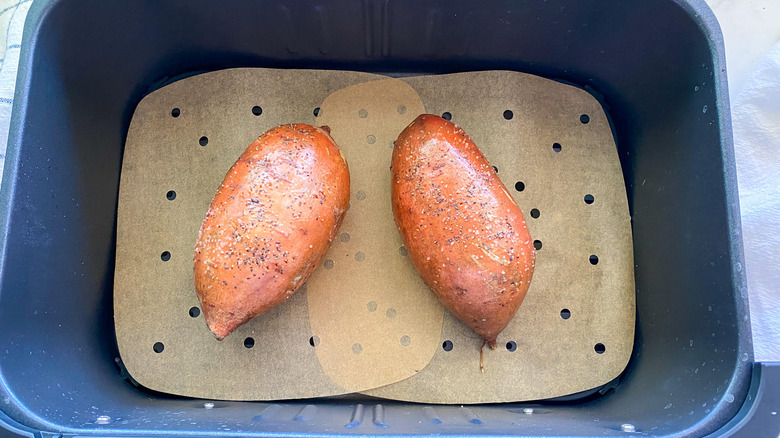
pixel 462 230
pixel 269 224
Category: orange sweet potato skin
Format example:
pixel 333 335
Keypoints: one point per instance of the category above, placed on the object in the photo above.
pixel 269 224
pixel 462 230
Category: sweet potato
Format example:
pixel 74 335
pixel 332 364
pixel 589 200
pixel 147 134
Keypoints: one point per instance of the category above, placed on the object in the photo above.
pixel 462 230
pixel 269 224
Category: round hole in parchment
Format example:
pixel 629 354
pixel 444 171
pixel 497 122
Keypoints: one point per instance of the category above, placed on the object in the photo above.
pixel 584 119
pixel 402 251
pixel 158 347
pixel 537 245
pixel 495 169
pixel 316 111
pixel 175 112
pixel 589 199
pixel 519 186
pixel 328 264
pixel 511 345
pixel 344 238
pixel 535 213
pixel 171 195
pixel 508 114
pixel 194 311
pixel 392 144
pixel 446 345
pixel 165 256
pixel 600 348
pixel 401 109
pixel 565 313
pixel 362 113
pixel 390 313
pixel 446 115
pixel 203 141
pixel 257 110
pixel 314 341
pixel 557 147
pixel 594 259
pixel 249 342
pixel 360 256
pixel 372 306
pixel 357 348
pixel 406 340
pixel 371 139
pixel 360 195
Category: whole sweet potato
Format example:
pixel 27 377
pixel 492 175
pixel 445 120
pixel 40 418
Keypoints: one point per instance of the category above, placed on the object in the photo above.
pixel 463 231
pixel 269 224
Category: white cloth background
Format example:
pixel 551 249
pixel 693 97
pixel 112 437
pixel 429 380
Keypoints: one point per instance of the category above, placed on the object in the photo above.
pixel 750 28
pixel 756 121
pixel 12 15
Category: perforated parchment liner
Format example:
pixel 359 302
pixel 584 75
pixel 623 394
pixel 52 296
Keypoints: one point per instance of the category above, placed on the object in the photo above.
pixel 554 150
pixel 550 355
pixel 382 321
pixel 182 140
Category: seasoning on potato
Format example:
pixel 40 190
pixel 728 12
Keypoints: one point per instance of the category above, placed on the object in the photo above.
pixel 269 225
pixel 464 233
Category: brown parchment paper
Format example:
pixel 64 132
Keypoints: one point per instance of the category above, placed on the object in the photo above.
pixel 551 356
pixel 219 115
pixel 377 321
